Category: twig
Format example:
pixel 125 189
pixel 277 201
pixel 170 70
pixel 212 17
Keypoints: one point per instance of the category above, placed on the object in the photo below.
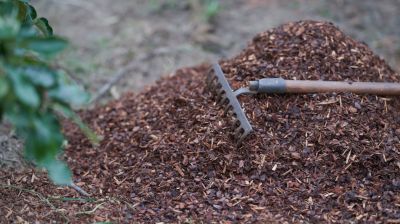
pixel 70 74
pixel 79 190
pixel 124 70
pixel 40 196
pixel 116 77
pixel 37 194
pixel 122 201
pixel 91 211
pixel 73 199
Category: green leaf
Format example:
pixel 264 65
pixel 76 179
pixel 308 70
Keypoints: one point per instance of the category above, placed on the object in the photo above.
pixel 23 10
pixel 69 94
pixel 46 46
pixel 70 114
pixel 27 32
pixel 27 94
pixel 26 12
pixel 43 138
pixel 19 118
pixel 212 8
pixel 3 87
pixel 40 76
pixel 6 8
pixel 59 172
pixel 32 12
pixel 24 90
pixel 9 28
pixel 23 59
pixel 48 131
pixel 43 25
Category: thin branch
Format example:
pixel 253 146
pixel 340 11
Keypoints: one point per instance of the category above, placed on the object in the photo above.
pixel 116 77
pixel 124 71
pixel 91 211
pixel 37 194
pixel 70 74
pixel 79 190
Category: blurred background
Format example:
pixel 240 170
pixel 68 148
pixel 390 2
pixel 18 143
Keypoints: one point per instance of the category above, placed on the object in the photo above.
pixel 155 37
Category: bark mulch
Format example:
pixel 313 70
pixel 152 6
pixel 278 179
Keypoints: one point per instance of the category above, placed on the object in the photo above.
pixel 168 153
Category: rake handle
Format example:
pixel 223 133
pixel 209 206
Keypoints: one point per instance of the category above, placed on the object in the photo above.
pixel 279 85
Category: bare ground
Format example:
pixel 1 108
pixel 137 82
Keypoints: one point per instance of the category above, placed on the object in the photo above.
pixel 106 35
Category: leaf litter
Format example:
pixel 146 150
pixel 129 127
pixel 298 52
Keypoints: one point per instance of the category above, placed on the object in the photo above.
pixel 168 153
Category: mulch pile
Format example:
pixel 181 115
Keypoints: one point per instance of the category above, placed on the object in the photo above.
pixel 168 153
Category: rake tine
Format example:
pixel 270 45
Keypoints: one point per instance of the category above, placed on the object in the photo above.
pixel 226 97
pixel 227 107
pixel 239 132
pixel 223 100
pixel 211 81
pixel 219 94
pixel 237 123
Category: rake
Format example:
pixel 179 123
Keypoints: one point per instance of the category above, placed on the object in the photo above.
pixel 227 97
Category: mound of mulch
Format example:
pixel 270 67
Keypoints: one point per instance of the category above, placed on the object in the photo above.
pixel 168 153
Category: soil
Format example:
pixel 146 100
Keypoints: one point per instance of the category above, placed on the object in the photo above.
pixel 168 154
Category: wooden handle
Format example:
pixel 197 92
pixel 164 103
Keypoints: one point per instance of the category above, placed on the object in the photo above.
pixel 310 86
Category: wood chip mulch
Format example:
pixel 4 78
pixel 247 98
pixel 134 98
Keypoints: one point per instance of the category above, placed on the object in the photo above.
pixel 168 153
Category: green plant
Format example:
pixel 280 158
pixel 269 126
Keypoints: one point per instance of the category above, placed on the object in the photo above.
pixel 211 8
pixel 33 95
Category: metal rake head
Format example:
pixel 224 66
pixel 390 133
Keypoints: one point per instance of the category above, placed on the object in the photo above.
pixel 225 96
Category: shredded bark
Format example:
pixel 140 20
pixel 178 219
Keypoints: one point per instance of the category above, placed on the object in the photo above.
pixel 168 153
